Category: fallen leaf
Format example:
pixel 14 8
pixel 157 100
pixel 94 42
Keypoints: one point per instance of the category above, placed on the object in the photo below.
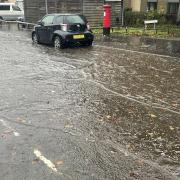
pixel 153 116
pixel 150 134
pixel 68 126
pixel 171 128
pixel 35 161
pixel 59 162
pixel 134 175
pixel 108 116
pixel 20 120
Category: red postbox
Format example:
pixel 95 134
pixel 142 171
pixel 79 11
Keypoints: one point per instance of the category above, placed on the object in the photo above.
pixel 107 19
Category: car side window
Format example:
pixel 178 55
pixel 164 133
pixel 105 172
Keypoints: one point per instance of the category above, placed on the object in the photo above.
pixel 59 20
pixel 48 20
pixel 16 8
pixel 5 8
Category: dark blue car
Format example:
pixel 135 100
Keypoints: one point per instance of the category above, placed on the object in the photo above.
pixel 61 30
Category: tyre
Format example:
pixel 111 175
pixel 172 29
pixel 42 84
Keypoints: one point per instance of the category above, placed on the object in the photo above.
pixel 58 43
pixel 89 43
pixel 35 38
pixel 1 19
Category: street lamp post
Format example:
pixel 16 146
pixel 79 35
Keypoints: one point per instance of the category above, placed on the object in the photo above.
pixel 122 12
pixel 46 5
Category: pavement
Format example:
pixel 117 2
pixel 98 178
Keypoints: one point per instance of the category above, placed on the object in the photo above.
pixel 88 113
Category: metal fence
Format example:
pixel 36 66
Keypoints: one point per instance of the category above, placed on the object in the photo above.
pixel 19 24
pixel 164 31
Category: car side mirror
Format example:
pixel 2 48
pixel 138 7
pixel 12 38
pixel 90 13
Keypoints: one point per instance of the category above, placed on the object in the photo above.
pixel 40 23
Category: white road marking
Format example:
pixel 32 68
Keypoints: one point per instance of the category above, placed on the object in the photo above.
pixel 46 161
pixel 9 127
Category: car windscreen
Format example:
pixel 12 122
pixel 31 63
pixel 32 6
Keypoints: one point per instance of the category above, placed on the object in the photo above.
pixel 4 8
pixel 16 8
pixel 74 19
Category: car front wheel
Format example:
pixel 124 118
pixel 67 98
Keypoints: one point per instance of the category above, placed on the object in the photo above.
pixel 1 20
pixel 58 43
pixel 35 38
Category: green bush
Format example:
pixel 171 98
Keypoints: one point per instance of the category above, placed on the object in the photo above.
pixel 137 18
pixel 134 18
pixel 161 17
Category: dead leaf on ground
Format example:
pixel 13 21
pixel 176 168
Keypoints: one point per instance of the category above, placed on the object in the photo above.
pixel 68 126
pixel 152 115
pixel 35 161
pixel 59 163
pixel 108 116
pixel 20 120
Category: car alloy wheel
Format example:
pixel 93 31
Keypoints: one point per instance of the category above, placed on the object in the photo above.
pixel 58 44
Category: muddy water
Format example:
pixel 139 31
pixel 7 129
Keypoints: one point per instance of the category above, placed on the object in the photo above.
pixel 144 44
pixel 108 113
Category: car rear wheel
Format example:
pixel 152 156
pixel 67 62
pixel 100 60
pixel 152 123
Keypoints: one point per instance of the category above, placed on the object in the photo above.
pixel 58 43
pixel 35 38
pixel 89 43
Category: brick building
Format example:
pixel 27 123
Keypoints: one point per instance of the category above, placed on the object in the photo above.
pixel 8 1
pixel 166 6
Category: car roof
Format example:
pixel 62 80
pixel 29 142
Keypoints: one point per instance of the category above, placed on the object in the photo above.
pixel 63 14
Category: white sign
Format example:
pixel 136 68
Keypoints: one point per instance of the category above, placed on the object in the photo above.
pixel 150 21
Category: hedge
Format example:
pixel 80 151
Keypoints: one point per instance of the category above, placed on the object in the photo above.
pixel 137 18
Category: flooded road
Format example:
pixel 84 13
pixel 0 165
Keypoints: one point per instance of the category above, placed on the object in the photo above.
pixel 98 113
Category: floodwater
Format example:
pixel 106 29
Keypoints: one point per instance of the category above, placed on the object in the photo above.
pixel 107 112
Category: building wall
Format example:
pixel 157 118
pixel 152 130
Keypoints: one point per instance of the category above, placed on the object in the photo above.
pixel 136 5
pixel 162 6
pixel 127 3
pixel 12 1
pixel 9 1
pixel 141 5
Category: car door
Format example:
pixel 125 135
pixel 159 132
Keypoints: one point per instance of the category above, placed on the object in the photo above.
pixel 45 29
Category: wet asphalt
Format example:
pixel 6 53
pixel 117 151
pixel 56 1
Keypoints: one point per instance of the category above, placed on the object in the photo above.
pixel 105 112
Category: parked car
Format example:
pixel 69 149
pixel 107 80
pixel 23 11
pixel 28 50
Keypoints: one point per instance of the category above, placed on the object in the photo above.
pixel 61 30
pixel 10 12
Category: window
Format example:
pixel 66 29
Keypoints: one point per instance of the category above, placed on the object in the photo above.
pixel 172 8
pixel 152 6
pixel 4 8
pixel 59 20
pixel 48 20
pixel 16 8
pixel 74 20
